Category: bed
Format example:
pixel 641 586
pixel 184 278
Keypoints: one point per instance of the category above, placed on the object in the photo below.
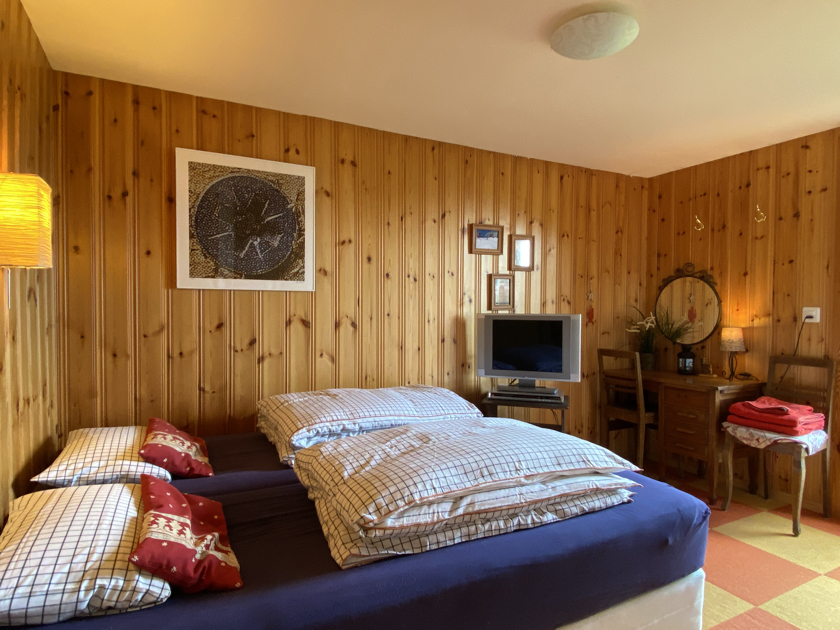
pixel 548 577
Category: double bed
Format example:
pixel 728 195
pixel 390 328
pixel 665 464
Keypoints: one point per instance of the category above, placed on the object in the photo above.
pixel 634 565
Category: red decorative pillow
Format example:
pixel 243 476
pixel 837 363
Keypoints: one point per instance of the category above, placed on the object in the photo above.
pixel 175 451
pixel 184 540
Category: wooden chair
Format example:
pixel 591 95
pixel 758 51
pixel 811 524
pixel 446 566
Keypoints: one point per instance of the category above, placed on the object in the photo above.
pixel 622 403
pixel 821 399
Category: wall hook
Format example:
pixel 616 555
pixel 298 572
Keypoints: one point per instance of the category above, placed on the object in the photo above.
pixel 761 216
pixel 699 223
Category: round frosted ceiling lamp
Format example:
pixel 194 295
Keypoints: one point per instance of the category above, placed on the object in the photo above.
pixel 595 35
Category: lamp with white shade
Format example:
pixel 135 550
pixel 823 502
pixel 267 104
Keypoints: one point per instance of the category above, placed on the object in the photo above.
pixel 25 224
pixel 732 341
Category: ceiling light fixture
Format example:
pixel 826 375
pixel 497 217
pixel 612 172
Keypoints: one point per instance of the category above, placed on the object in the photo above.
pixel 595 35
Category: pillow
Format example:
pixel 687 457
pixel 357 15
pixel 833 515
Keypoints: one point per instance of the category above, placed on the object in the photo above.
pixel 184 540
pixel 104 455
pixel 302 419
pixel 175 451
pixel 65 553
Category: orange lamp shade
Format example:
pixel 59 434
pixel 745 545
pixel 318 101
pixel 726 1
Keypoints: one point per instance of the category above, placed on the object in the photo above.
pixel 25 221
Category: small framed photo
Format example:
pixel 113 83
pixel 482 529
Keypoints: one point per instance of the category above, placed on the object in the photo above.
pixel 521 253
pixel 501 292
pixel 486 239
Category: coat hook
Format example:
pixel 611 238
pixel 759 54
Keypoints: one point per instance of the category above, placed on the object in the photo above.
pixel 761 216
pixel 699 222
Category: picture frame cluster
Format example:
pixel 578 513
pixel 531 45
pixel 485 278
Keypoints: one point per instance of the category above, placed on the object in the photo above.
pixel 488 240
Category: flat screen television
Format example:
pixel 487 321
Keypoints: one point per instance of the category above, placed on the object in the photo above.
pixel 529 347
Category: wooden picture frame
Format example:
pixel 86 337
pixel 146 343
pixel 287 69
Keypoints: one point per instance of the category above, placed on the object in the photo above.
pixel 243 223
pixel 520 253
pixel 486 239
pixel 500 292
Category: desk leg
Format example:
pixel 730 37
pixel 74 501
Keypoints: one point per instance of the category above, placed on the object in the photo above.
pixel 712 473
pixel 491 410
pixel 563 421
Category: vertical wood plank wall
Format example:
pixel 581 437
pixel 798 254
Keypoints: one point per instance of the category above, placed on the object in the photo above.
pixel 396 291
pixel 767 269
pixel 28 373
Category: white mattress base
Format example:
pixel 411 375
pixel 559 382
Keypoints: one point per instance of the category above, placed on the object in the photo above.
pixel 676 605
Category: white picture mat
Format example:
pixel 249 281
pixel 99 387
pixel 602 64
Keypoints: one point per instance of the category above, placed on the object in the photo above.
pixel 184 281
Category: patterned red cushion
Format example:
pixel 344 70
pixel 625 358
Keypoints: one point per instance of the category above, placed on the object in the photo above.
pixel 175 451
pixel 184 540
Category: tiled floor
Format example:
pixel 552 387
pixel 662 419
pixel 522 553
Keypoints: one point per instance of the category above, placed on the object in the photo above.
pixel 759 577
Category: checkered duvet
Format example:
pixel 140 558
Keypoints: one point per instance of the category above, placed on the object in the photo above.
pixel 422 486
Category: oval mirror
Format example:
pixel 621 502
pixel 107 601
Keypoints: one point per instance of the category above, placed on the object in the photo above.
pixel 689 298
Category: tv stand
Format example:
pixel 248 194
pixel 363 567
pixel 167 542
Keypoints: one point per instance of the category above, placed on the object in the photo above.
pixel 526 387
pixel 554 402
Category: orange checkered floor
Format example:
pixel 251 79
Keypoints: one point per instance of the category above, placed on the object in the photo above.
pixel 758 576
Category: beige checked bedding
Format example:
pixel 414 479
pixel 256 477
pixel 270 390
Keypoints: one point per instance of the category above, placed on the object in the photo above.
pixel 418 487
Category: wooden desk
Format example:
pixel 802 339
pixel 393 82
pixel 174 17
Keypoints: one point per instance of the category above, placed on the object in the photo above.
pixel 691 410
pixel 491 406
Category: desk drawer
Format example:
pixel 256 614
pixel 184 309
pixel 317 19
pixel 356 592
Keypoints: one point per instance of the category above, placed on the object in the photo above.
pixel 676 431
pixel 685 415
pixel 690 448
pixel 686 398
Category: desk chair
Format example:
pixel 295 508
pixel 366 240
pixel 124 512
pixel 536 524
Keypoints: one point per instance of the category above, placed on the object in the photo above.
pixel 622 403
pixel 821 399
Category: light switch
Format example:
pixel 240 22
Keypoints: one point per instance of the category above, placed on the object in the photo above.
pixel 814 312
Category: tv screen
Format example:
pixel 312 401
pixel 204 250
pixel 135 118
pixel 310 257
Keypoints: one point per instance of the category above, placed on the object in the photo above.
pixel 527 345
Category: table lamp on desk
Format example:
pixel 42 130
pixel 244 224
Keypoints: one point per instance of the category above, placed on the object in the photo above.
pixel 732 341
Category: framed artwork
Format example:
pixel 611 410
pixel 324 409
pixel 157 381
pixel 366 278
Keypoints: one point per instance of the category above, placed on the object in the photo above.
pixel 521 253
pixel 243 223
pixel 501 292
pixel 486 239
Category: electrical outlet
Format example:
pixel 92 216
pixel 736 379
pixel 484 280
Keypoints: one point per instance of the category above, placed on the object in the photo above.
pixel 814 312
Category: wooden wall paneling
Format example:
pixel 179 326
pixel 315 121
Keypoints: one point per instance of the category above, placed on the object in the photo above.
pixel 149 283
pixel 719 247
pixel 579 400
pixel 700 236
pixel 533 280
pixel 326 286
pixel 591 331
pixel 833 341
pixel 184 333
pixel 115 255
pixel 272 360
pixel 215 306
pixel 759 334
pixel 371 351
pixel 652 250
pixel 347 328
pixel 816 224
pixel 242 134
pixel 450 217
pixel 29 420
pixel 552 271
pixel 80 113
pixel 432 243
pixel 470 287
pixel 391 274
pixel 740 217
pixel 667 260
pixel 620 337
pixel 768 270
pixel 413 313
pixel 299 328
pixel 486 212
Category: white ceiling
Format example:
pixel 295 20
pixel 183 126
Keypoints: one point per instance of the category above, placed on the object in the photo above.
pixel 704 79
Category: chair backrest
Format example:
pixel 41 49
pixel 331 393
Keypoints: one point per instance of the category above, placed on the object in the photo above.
pixel 820 398
pixel 612 384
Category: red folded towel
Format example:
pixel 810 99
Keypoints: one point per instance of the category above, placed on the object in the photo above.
pixel 770 410
pixel 802 429
pixel 768 404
